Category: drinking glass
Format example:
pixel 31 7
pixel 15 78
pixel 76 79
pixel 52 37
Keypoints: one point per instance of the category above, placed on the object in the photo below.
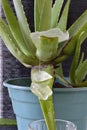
pixel 60 125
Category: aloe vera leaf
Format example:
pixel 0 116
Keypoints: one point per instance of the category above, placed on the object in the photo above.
pixel 48 112
pixel 62 24
pixel 41 90
pixel 59 70
pixel 11 44
pixel 74 28
pixel 78 67
pixel 45 16
pixel 24 26
pixel 38 6
pixel 45 19
pixel 38 77
pixel 75 60
pixel 82 84
pixel 81 59
pixel 79 26
pixel 70 46
pixel 41 81
pixel 51 33
pixel 56 9
pixel 47 48
pixel 36 14
pixel 81 72
pixel 42 73
pixel 63 80
pixel 60 76
pixel 42 14
pixel 60 59
pixel 14 27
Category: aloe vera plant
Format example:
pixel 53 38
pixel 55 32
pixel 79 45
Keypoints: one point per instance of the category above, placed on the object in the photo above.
pixel 44 49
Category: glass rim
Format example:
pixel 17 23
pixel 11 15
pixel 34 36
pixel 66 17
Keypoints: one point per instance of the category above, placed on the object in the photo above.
pixel 60 120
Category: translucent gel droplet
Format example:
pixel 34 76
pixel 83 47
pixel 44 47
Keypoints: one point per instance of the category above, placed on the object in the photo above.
pixel 41 91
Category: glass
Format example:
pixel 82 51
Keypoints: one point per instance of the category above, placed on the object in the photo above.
pixel 61 125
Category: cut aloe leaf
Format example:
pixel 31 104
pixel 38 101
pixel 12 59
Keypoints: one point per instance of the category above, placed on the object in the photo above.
pixel 51 33
pixel 41 90
pixel 47 43
pixel 48 112
pixel 42 82
pixel 40 76
pixel 42 87
pixel 47 48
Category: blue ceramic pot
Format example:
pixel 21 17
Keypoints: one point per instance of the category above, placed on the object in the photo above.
pixel 69 104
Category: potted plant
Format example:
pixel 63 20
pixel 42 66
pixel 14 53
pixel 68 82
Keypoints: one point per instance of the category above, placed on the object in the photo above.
pixel 43 51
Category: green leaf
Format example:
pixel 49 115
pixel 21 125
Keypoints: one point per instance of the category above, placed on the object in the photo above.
pixel 45 17
pixel 60 59
pixel 62 24
pixel 56 12
pixel 47 48
pixel 37 11
pixel 70 46
pixel 63 80
pixel 79 26
pixel 38 6
pixel 11 44
pixel 82 84
pixel 51 33
pixel 48 101
pixel 75 59
pixel 79 66
pixel 14 27
pixel 48 112
pixel 75 27
pixel 81 72
pixel 24 26
pixel 42 14
pixel 81 59
pixel 59 70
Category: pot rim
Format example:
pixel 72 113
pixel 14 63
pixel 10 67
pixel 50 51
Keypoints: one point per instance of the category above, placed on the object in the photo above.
pixel 7 84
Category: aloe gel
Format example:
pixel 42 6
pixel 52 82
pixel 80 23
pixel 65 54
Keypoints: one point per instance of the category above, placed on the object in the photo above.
pixel 42 81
